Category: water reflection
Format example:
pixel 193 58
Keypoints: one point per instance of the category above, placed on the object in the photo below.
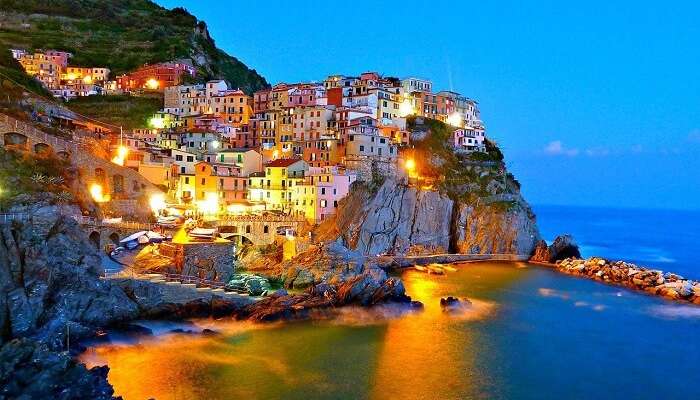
pixel 525 327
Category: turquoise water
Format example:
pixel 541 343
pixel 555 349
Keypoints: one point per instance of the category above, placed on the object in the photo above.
pixel 531 333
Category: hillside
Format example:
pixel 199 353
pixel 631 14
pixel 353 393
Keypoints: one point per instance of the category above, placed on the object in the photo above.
pixel 122 35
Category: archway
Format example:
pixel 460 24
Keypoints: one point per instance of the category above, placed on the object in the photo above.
pixel 95 239
pixel 16 139
pixel 42 148
pixel 114 238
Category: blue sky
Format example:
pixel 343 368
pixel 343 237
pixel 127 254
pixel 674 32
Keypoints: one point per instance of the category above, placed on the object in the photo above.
pixel 596 103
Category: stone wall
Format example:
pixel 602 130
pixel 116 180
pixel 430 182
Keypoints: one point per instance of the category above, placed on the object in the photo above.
pixel 214 261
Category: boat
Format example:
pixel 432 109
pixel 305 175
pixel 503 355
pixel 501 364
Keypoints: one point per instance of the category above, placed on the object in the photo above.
pixel 203 233
pixel 420 268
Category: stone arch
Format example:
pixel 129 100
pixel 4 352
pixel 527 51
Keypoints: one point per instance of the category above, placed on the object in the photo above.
pixel 95 238
pixel 16 139
pixel 114 238
pixel 41 148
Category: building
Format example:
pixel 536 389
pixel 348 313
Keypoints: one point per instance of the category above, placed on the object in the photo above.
pixel 469 139
pixel 155 76
pixel 275 185
pixel 365 141
pixel 413 84
pixel 201 186
pixel 249 160
pixel 317 197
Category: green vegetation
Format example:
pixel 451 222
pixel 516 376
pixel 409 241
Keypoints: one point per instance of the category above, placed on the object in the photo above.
pixel 127 111
pixel 467 177
pixel 121 35
pixel 26 174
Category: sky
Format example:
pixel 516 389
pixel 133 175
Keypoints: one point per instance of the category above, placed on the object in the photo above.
pixel 594 104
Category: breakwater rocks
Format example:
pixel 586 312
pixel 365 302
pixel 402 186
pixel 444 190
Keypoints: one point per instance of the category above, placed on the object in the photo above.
pixel 668 285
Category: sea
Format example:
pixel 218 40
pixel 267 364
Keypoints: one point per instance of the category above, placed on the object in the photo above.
pixel 528 333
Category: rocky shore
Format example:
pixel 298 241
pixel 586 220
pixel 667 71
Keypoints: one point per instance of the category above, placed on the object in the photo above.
pixel 655 282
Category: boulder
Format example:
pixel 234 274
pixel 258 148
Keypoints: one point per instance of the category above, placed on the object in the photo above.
pixel 541 252
pixel 563 247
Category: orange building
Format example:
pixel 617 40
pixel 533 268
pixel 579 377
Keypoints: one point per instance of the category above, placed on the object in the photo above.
pixel 155 76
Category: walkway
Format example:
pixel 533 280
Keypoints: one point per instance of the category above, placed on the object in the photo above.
pixel 409 261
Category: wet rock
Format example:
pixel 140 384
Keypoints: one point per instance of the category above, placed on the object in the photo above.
pixel 29 370
pixel 367 289
pixel 563 247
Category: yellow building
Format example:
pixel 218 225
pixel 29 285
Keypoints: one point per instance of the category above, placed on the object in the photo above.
pixel 198 187
pixel 275 186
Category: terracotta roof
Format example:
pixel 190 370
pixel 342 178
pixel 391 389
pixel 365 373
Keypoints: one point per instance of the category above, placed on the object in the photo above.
pixel 282 162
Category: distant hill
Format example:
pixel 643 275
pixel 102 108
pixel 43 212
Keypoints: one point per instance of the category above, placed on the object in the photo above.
pixel 122 35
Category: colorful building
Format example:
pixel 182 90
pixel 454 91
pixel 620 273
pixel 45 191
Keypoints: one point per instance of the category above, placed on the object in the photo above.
pixel 155 76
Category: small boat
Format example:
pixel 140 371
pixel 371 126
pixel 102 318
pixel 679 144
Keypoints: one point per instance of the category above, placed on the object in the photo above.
pixel 420 268
pixel 203 233
pixel 449 268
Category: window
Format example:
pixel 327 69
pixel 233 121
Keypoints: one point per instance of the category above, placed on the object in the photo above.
pixel 323 203
pixel 182 170
pixel 190 158
pixel 204 181
pixel 178 157
pixel 266 229
pixel 187 180
pixel 362 148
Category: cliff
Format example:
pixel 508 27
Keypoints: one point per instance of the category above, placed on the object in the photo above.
pixel 462 203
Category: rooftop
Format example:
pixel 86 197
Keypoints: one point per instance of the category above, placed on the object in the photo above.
pixel 282 162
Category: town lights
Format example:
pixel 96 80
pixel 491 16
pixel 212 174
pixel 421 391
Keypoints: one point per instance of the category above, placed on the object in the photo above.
pixel 210 204
pixel 157 123
pixel 215 144
pixel 406 108
pixel 157 203
pixel 152 84
pixel 410 165
pixel 97 194
pixel 455 119
pixel 122 152
pixel 87 80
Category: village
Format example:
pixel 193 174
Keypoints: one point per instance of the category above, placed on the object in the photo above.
pixel 292 149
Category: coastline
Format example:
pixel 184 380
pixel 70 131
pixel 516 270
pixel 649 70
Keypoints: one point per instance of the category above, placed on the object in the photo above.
pixel 630 276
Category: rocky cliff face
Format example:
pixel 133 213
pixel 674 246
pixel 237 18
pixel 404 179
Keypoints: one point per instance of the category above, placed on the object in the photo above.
pixel 49 274
pixel 402 219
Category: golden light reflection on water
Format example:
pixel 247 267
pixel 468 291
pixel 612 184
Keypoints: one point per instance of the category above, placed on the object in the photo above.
pixel 376 354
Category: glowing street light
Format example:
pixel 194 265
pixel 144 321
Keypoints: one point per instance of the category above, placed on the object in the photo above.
pixel 157 123
pixel 210 204
pixel 152 84
pixel 97 193
pixel 455 120
pixel 215 144
pixel 87 79
pixel 120 158
pixel 406 108
pixel 410 164
pixel 157 203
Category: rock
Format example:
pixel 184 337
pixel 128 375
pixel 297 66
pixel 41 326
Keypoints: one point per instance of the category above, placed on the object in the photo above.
pixel 369 288
pixel 686 289
pixel 563 247
pixel 56 281
pixel 303 280
pixel 541 253
pixel 29 370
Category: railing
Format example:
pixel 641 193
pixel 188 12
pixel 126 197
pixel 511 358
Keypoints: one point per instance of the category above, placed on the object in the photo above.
pixel 259 218
pixel 82 220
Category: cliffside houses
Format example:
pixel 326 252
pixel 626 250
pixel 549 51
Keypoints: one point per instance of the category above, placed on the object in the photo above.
pixel 295 148
pixel 51 68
